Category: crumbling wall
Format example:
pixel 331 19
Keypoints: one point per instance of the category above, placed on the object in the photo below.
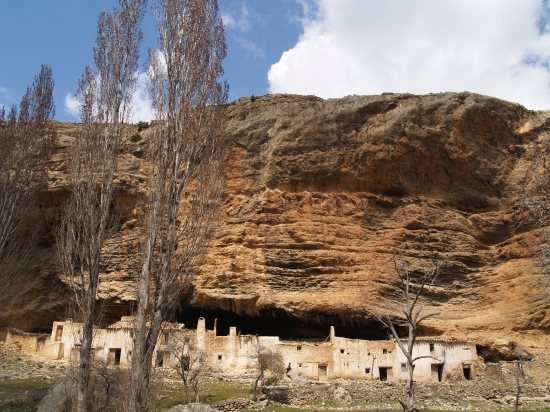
pixel 29 342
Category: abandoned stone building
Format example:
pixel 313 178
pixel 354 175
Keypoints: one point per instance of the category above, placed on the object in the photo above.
pixel 336 357
pixel 340 357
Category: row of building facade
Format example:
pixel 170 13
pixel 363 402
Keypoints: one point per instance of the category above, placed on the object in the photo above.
pixel 336 357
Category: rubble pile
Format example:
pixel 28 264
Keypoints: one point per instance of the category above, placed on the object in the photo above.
pixel 477 394
pixel 233 405
pixel 15 363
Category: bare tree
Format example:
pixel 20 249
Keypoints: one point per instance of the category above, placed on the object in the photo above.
pixel 186 154
pixel 191 364
pixel 27 141
pixel 109 385
pixel 266 358
pixel 105 96
pixel 522 357
pixel 410 288
pixel 533 206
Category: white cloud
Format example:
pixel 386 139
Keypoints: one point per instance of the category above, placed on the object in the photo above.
pixel 492 47
pixel 241 22
pixel 141 103
pixel 228 21
pixel 72 106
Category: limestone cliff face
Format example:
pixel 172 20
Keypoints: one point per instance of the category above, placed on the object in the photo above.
pixel 320 193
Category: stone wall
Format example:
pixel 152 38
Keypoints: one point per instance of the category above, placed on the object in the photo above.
pixel 29 342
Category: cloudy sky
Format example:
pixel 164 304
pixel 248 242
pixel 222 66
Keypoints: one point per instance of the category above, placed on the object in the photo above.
pixel 328 48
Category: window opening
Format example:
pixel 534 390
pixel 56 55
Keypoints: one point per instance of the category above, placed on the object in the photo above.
pixel 58 333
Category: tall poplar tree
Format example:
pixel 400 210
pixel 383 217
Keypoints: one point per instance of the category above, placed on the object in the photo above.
pixel 104 94
pixel 186 155
pixel 27 141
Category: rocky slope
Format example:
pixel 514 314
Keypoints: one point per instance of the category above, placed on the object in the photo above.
pixel 320 194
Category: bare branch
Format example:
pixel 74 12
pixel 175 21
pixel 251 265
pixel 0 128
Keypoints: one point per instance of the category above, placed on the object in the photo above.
pixel 533 206
pixel 191 363
pixel 425 357
pixel 27 141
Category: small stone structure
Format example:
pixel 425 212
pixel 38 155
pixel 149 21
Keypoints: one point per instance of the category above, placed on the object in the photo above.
pixel 336 357
pixel 29 342
pixel 113 343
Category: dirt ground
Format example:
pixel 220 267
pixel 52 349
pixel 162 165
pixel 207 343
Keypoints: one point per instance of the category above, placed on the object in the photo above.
pixel 25 379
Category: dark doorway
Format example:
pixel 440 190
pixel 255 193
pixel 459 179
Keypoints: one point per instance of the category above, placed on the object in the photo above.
pixel 467 372
pixel 159 363
pixel 114 355
pixel 40 344
pixel 383 374
pixel 437 372
pixel 323 373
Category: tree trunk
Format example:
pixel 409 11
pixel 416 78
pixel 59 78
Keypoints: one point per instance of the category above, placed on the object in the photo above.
pixel 518 388
pixel 139 375
pixel 84 371
pixel 186 386
pixel 256 385
pixel 408 404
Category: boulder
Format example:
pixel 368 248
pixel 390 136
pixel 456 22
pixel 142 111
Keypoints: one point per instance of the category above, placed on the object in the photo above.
pixel 59 397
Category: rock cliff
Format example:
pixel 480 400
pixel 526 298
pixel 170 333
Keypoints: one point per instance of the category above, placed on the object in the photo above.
pixel 319 195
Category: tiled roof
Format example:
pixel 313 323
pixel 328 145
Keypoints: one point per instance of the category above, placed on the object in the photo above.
pixel 443 339
pixel 127 322
pixel 123 323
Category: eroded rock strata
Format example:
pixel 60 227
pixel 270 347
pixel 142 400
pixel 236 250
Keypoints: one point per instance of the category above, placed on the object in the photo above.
pixel 319 195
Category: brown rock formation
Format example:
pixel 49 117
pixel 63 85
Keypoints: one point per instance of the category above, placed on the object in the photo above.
pixel 321 192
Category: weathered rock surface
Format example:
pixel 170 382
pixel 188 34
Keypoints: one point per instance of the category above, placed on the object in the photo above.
pixel 320 193
pixel 59 397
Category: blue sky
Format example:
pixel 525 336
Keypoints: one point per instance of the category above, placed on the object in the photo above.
pixel 61 33
pixel 329 48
